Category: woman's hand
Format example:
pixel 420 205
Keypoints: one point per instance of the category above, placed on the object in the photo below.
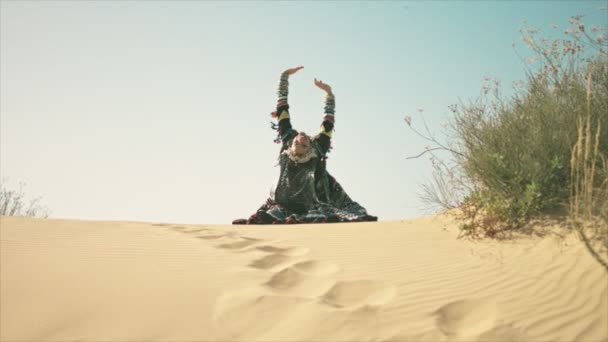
pixel 323 86
pixel 293 70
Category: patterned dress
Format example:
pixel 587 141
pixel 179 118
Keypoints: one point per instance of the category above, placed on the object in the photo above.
pixel 305 191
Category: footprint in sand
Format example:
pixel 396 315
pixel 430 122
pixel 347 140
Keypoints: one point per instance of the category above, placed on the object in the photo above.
pixel 243 244
pixel 466 318
pixel 214 235
pixel 195 230
pixel 318 268
pixel 273 262
pixel 351 294
pixel 287 256
pixel 289 281
pixel 306 279
pixel 298 292
pixel 289 251
pixel 188 230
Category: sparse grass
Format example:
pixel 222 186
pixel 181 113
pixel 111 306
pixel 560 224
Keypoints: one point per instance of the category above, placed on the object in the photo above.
pixel 589 183
pixel 14 203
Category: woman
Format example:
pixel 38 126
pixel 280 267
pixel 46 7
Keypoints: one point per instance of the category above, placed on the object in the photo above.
pixel 305 192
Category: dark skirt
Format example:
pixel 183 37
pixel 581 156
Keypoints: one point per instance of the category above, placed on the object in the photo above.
pixel 337 207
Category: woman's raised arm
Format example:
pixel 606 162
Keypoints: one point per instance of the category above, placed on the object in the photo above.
pixel 327 126
pixel 282 109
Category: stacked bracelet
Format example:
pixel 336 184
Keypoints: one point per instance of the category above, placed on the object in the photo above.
pixel 330 104
pixel 283 87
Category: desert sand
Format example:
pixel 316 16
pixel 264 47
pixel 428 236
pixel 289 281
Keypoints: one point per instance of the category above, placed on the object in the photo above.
pixel 410 280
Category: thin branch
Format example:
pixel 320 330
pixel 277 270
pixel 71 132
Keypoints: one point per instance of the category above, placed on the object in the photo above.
pixel 429 150
pixel 441 146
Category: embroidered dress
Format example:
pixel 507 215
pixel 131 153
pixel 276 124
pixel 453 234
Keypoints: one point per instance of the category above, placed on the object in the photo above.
pixel 305 191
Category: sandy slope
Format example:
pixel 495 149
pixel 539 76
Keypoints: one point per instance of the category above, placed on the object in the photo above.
pixel 388 281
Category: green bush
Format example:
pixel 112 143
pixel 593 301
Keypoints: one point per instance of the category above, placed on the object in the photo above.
pixel 513 155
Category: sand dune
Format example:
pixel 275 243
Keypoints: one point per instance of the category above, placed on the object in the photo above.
pixel 381 281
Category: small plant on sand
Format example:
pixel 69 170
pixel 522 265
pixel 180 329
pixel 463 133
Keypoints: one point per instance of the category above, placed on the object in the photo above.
pixel 13 203
pixel 540 151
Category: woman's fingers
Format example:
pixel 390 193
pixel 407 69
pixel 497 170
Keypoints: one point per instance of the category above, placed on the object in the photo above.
pixel 322 85
pixel 294 70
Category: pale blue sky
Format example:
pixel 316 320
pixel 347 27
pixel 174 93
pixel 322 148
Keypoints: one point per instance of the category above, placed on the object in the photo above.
pixel 159 111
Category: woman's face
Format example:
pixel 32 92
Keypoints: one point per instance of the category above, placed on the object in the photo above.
pixel 301 143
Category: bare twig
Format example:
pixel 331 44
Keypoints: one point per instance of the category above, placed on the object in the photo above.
pixel 427 150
